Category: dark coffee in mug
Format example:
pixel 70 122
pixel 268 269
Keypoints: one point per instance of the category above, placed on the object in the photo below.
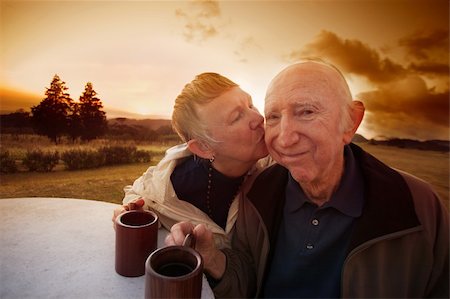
pixel 174 272
pixel 174 269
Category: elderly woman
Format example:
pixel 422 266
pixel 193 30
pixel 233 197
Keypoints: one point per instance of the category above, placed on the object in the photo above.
pixel 200 180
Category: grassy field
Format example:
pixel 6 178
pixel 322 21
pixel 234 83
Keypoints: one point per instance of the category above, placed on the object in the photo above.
pixel 103 184
pixel 18 145
pixel 106 184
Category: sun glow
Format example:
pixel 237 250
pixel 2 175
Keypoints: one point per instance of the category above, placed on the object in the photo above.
pixel 143 110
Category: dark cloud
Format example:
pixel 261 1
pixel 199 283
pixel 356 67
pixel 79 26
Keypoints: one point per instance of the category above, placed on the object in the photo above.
pixel 352 56
pixel 430 52
pixel 407 108
pixel 430 68
pixel 424 45
pixel 410 97
pixel 401 104
pixel 199 20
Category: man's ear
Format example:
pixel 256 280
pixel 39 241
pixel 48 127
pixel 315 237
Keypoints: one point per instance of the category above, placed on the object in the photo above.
pixel 357 114
pixel 200 148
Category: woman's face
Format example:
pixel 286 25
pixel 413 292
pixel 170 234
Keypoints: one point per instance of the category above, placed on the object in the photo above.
pixel 238 128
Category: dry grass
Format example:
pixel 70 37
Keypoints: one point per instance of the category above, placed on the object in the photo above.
pixel 104 184
pixel 18 145
pixel 430 166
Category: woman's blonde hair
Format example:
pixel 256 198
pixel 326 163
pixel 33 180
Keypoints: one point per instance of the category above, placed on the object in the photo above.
pixel 200 91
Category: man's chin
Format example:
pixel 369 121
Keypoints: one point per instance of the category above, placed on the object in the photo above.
pixel 299 174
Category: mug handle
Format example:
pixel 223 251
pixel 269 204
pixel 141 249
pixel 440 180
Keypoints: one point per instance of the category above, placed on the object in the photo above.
pixel 189 241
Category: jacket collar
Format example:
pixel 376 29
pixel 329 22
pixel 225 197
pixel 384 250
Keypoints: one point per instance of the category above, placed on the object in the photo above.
pixel 268 196
pixel 389 206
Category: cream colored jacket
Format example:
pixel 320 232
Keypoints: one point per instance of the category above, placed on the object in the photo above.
pixel 155 187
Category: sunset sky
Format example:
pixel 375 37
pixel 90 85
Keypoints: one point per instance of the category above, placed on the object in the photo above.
pixel 139 54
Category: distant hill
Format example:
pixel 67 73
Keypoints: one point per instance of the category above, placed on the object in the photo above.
pixel 359 138
pixel 117 113
pixel 427 145
pixel 153 124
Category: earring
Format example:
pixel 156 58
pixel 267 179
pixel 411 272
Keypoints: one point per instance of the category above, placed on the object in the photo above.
pixel 211 159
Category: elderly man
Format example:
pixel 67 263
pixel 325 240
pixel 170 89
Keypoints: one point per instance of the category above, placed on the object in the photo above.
pixel 330 220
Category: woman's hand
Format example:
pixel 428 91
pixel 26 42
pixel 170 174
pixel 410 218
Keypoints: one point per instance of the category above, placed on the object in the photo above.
pixel 137 204
pixel 214 260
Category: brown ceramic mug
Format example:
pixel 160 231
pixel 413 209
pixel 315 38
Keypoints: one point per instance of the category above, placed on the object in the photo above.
pixel 174 272
pixel 136 239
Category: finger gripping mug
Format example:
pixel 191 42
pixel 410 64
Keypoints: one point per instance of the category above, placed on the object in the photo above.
pixel 136 238
pixel 174 272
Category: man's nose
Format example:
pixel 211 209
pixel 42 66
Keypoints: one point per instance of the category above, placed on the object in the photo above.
pixel 287 136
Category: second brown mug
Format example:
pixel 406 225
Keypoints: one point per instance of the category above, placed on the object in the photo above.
pixel 174 272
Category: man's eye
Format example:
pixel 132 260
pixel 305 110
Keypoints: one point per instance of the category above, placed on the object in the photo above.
pixel 305 113
pixel 271 117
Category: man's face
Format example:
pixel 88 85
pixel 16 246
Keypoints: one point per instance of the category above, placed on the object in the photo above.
pixel 303 114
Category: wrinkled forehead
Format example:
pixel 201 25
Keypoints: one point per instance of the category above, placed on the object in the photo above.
pixel 309 81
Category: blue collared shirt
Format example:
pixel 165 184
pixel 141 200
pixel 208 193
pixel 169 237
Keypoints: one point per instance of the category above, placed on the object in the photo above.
pixel 312 241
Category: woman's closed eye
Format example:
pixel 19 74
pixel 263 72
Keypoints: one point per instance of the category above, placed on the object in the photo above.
pixel 237 116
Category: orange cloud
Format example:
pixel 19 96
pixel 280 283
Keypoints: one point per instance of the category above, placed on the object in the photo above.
pixel 352 56
pixel 425 45
pixel 430 68
pixel 410 97
pixel 199 20
pixel 245 47
pixel 203 20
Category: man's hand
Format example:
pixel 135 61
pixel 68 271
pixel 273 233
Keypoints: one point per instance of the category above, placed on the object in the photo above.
pixel 214 260
pixel 137 204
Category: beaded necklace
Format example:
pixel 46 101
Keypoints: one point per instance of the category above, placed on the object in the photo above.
pixel 208 190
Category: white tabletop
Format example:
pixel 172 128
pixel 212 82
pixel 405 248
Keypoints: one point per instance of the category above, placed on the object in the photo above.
pixel 63 248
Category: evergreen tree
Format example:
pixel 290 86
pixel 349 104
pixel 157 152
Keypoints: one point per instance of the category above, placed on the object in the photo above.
pixel 50 116
pixel 75 124
pixel 92 116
